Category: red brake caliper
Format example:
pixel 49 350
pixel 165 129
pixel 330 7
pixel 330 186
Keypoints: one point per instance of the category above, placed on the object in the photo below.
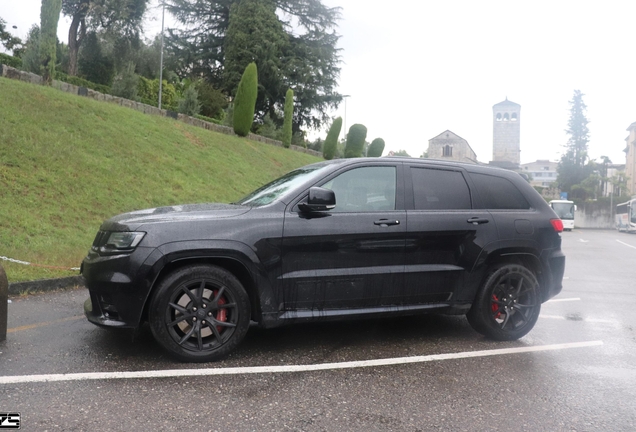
pixel 495 306
pixel 221 314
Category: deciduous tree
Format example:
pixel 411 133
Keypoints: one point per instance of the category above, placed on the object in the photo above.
pixel 120 17
pixel 302 53
pixel 10 42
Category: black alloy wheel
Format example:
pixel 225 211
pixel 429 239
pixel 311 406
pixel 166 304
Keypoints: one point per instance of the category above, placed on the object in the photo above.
pixel 508 304
pixel 199 313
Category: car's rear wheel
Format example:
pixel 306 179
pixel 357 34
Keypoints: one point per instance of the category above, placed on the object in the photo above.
pixel 508 304
pixel 199 313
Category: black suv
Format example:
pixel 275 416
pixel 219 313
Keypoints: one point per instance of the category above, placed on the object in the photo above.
pixel 341 239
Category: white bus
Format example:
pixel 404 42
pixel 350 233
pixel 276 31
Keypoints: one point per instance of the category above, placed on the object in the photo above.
pixel 626 216
pixel 565 211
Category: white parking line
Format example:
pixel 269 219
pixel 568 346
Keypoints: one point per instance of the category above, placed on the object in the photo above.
pixel 291 368
pixel 564 300
pixel 590 320
pixel 628 245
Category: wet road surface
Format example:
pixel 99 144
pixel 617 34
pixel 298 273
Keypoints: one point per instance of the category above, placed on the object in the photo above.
pixel 588 387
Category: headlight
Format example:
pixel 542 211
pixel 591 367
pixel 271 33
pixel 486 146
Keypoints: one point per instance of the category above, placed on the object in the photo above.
pixel 123 240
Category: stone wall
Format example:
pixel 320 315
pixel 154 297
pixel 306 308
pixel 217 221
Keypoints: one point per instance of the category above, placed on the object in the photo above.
pixel 594 215
pixel 12 73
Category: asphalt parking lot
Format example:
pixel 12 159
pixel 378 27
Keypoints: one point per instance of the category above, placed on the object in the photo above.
pixel 574 371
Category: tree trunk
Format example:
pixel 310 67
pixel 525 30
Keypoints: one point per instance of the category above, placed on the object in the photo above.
pixel 76 34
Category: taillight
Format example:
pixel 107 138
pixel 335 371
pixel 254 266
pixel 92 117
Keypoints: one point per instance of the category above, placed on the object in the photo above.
pixel 557 224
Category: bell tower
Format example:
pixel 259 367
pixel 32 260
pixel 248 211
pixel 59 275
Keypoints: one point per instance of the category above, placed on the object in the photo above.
pixel 506 142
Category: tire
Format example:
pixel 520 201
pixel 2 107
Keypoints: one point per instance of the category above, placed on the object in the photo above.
pixel 199 313
pixel 508 303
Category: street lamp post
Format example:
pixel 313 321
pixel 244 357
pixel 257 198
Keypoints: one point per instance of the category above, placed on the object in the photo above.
pixel 345 114
pixel 163 13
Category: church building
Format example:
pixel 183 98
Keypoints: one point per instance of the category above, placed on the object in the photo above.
pixel 449 145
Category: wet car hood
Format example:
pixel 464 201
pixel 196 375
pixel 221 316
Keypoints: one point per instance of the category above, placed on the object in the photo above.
pixel 178 213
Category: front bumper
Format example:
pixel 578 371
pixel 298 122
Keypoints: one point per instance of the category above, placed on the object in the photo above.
pixel 119 286
pixel 100 317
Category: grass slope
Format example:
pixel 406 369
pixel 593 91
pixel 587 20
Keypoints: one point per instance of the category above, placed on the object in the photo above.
pixel 67 163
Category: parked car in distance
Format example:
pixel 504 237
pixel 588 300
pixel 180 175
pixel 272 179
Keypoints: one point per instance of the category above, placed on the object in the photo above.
pixel 348 238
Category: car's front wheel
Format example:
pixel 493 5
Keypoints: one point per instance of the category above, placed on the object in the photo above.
pixel 199 313
pixel 508 304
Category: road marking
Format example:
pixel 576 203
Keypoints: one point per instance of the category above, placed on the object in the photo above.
pixel 584 241
pixel 564 300
pixel 43 324
pixel 290 368
pixel 577 318
pixel 628 245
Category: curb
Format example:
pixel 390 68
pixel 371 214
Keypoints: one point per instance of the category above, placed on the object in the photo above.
pixel 41 285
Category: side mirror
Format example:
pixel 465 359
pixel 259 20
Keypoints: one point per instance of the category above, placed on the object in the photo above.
pixel 319 199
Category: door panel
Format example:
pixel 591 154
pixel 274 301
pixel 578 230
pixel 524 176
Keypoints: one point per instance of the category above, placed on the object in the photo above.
pixel 445 235
pixel 353 255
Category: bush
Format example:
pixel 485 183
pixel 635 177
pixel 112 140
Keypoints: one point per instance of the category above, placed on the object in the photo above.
pixel 245 101
pixel 298 139
pixel 80 82
pixel 330 146
pixel 316 145
pixel 125 84
pixel 8 60
pixel 268 128
pixel 189 104
pixel 289 116
pixel 213 101
pixel 148 92
pixel 355 141
pixel 376 148
pixel 208 119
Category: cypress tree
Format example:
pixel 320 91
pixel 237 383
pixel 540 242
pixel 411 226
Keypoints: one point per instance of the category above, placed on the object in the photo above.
pixel 376 148
pixel 49 16
pixel 331 142
pixel 289 116
pixel 245 100
pixel 355 141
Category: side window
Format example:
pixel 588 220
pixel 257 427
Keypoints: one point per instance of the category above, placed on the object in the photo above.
pixel 498 193
pixel 435 189
pixel 365 189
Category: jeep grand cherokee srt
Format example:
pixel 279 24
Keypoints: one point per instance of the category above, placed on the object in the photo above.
pixel 335 240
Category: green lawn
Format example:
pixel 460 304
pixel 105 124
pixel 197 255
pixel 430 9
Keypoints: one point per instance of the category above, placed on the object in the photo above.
pixel 68 162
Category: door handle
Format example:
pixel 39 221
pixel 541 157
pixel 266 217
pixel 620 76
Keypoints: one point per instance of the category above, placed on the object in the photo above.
pixel 386 222
pixel 477 220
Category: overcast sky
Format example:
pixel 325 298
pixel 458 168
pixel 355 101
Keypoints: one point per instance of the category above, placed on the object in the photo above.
pixel 417 68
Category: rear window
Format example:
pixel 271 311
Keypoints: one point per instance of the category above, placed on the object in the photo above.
pixel 435 189
pixel 498 193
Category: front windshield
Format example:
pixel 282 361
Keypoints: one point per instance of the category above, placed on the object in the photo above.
pixel 564 210
pixel 279 187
